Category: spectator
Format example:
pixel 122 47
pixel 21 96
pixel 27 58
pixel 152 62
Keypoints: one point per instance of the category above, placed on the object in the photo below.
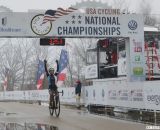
pixel 78 92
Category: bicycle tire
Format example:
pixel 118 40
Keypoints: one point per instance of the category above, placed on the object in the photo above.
pixel 57 111
pixel 51 110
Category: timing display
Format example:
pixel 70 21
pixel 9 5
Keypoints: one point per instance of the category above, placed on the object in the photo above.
pixel 52 41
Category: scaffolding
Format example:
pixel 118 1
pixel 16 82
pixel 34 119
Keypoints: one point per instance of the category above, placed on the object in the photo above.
pixel 152 61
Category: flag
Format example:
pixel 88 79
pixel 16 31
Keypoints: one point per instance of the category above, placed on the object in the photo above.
pixel 6 78
pixel 63 62
pixel 49 16
pixel 52 15
pixel 40 74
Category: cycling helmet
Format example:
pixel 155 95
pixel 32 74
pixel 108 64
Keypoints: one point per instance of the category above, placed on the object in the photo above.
pixel 51 69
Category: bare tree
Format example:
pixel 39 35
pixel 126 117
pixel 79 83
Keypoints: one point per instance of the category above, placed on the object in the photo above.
pixel 10 59
pixel 81 46
pixel 24 52
pixel 39 53
pixel 145 9
pixel 123 5
pixel 78 57
pixel 21 56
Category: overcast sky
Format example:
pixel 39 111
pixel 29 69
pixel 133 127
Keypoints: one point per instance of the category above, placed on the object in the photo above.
pixel 24 5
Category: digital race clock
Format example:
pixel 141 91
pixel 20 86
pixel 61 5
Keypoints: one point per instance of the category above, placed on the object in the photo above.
pixel 52 41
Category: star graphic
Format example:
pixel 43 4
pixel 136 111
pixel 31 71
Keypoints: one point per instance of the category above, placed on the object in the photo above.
pixel 79 22
pixel 73 22
pixel 67 21
pixel 73 17
pixel 79 17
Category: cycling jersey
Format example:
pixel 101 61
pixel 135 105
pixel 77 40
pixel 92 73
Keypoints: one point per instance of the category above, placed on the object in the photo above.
pixel 51 80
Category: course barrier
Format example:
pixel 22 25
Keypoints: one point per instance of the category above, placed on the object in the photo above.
pixel 116 93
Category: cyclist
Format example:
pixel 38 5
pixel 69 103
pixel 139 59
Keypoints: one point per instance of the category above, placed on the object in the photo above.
pixel 51 82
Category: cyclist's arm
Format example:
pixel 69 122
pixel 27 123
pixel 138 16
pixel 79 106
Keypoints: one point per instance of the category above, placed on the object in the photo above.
pixel 57 72
pixel 45 66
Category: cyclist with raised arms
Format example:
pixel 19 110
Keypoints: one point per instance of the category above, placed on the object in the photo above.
pixel 52 87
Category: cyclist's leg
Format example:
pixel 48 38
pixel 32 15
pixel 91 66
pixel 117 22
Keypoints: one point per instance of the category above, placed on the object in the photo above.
pixel 57 96
pixel 57 99
pixel 78 100
pixel 50 92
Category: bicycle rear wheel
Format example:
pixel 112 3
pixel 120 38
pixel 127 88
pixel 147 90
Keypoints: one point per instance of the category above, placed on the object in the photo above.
pixel 57 110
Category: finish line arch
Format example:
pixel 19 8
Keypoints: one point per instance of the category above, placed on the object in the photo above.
pixel 72 23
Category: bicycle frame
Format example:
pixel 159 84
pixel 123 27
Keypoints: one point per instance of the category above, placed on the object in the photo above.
pixel 55 103
pixel 53 95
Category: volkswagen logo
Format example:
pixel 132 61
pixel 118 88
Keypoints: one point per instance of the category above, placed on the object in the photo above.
pixel 132 25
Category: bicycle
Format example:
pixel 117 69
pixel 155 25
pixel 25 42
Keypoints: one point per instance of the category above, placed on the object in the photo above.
pixel 55 106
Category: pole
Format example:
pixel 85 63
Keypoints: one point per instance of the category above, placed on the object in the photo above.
pixel 155 117
pixel 98 60
pixel 127 45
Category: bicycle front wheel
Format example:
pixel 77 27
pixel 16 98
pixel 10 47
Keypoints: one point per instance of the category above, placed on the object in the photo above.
pixel 51 109
pixel 57 110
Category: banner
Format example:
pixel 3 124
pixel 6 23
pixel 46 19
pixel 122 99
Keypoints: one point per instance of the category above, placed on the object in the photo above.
pixel 137 59
pixel 120 93
pixel 91 71
pixel 115 93
pixel 73 24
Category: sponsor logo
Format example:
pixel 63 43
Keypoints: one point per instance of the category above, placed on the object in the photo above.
pixel 132 25
pixel 38 27
pixel 138 71
pixel 154 98
pixel 150 127
pixel 11 30
pixel 5 29
pixel 137 58
pixel 41 24
pixel 137 46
